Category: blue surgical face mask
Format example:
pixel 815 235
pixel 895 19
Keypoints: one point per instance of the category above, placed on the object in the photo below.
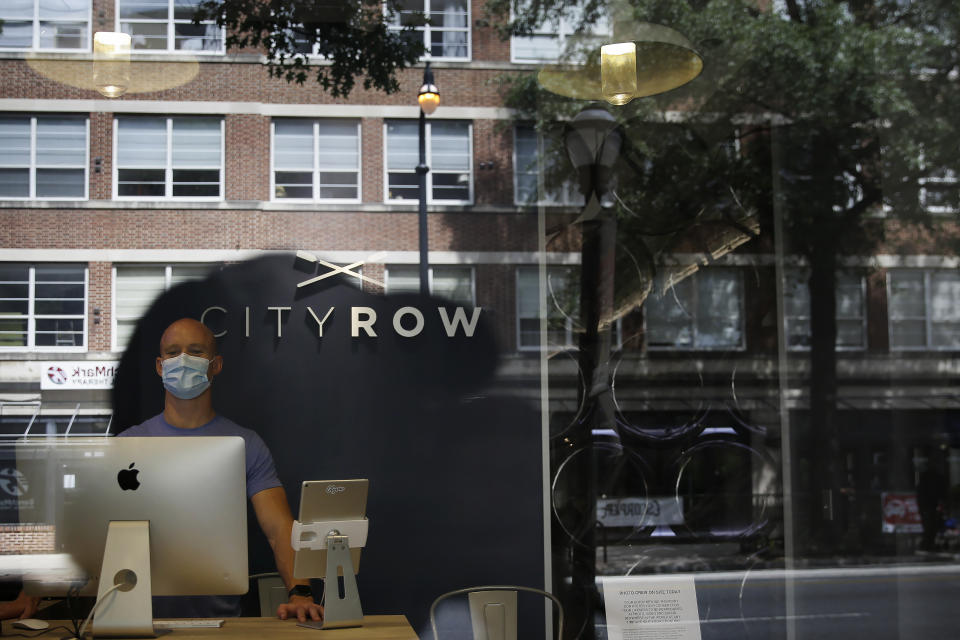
pixel 185 376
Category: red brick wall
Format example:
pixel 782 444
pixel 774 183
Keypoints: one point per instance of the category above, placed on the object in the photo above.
pixel 255 229
pixel 101 146
pixel 492 162
pixel 100 279
pixel 487 45
pixel 104 13
pixel 247 147
pixel 27 538
pixel 878 338
pixel 250 82
pixel 496 293
pixel 374 272
pixel 371 158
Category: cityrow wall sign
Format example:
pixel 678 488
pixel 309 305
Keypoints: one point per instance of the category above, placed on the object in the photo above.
pixel 405 322
pixel 63 375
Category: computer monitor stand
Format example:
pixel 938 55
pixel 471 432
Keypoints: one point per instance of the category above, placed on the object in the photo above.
pixel 126 612
pixel 339 610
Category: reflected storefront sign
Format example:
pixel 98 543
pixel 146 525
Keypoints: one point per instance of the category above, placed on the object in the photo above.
pixel 84 374
pixel 639 512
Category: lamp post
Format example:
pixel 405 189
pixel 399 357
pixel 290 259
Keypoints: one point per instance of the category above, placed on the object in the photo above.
pixel 642 60
pixel 429 99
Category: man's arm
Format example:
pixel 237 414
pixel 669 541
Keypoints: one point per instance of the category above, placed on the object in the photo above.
pixel 273 514
pixel 23 607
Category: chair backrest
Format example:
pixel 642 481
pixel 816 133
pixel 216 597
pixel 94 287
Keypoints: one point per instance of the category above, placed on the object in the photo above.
pixel 493 611
pixel 271 592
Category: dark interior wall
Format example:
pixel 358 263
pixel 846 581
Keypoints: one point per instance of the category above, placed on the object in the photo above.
pixel 455 473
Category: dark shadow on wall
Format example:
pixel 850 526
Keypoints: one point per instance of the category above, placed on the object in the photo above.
pixel 455 472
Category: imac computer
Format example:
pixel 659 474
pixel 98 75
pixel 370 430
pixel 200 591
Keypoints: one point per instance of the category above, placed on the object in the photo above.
pixel 136 517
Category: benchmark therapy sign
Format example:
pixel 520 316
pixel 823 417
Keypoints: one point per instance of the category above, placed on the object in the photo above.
pixel 87 374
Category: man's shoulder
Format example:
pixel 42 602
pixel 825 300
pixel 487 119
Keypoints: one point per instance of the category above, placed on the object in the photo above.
pixel 226 426
pixel 148 427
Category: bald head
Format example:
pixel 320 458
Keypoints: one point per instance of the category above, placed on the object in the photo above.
pixel 188 336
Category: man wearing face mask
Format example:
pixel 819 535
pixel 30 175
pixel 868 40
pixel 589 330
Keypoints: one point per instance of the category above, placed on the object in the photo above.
pixel 188 362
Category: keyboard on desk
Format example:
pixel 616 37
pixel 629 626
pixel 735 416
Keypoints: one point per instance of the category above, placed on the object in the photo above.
pixel 195 623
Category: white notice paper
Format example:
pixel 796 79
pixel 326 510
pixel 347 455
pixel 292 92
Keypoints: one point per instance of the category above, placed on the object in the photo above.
pixel 651 608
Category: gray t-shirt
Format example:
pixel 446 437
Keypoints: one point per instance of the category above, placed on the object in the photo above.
pixel 261 475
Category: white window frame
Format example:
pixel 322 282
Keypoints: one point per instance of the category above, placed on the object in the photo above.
pixel 33 166
pixel 473 277
pixel 863 319
pixel 395 26
pixel 32 316
pixel 167 281
pixel 316 169
pixel 563 32
pixel 694 346
pixel 170 21
pixel 36 33
pixel 949 179
pixel 429 155
pixel 570 195
pixel 927 304
pixel 569 333
pixel 168 169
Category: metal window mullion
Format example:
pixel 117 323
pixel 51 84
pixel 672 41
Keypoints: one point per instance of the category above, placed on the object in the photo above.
pixel 36 24
pixel 473 285
pixel 927 306
pixel 32 171
pixel 170 27
pixel 316 160
pixel 358 167
pixel 86 305
pixel 470 172
pixel 428 155
pixel 31 308
pixel 168 173
pixel 694 316
pixel 426 32
pixel 273 154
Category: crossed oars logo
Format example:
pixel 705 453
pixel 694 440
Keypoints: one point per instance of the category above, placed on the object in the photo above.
pixel 335 269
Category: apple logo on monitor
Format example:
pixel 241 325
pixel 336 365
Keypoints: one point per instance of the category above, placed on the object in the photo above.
pixel 127 478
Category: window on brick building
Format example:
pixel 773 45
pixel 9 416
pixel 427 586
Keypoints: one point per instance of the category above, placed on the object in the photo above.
pixel 316 159
pixel 43 306
pixel 449 157
pixel 453 283
pixel 43 157
pixel 137 286
pixel 559 38
pixel 169 158
pixel 530 160
pixel 167 25
pixel 940 192
pixel 48 423
pixel 562 297
pixel 923 309
pixel 45 24
pixel 444 26
pixel 851 310
pixel 702 311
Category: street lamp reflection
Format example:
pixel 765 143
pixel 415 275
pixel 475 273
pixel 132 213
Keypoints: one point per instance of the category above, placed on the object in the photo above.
pixel 111 63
